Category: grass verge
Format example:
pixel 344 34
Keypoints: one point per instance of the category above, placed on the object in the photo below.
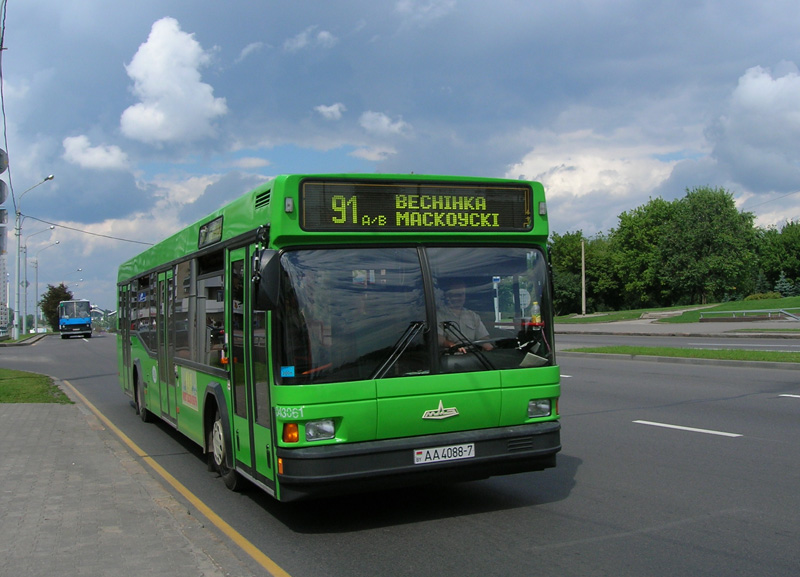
pixel 22 387
pixel 684 314
pixel 718 354
pixel 606 317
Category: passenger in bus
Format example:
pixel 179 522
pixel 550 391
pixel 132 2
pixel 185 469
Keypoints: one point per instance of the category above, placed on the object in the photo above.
pixel 467 323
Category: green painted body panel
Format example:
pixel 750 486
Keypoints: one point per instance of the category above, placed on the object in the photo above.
pixel 437 384
pixel 355 421
pixel 402 416
pixel 328 393
pixel 192 385
pixel 393 408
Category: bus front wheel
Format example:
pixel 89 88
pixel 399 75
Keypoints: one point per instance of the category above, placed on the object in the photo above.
pixel 218 451
pixel 141 404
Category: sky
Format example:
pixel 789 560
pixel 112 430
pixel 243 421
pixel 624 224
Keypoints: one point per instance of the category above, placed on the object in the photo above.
pixel 151 114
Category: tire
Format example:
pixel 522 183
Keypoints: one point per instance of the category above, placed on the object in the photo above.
pixel 141 404
pixel 217 453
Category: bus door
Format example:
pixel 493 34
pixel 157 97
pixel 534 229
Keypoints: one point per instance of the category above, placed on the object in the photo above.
pixel 124 337
pixel 166 346
pixel 247 362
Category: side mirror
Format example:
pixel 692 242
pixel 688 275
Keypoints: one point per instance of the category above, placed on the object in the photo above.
pixel 265 280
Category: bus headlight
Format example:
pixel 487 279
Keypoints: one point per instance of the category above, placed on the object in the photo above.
pixel 538 408
pixel 320 430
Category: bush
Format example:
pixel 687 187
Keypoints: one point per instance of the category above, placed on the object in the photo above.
pixel 763 296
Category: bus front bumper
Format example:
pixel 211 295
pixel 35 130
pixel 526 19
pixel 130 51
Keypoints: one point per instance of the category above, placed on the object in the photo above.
pixel 67 329
pixel 336 469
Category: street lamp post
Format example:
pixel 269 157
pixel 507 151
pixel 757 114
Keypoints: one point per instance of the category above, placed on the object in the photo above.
pixel 25 278
pixel 36 264
pixel 18 233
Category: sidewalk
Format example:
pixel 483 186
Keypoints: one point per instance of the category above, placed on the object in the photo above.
pixel 74 501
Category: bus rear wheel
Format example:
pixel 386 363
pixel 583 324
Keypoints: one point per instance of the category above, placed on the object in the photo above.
pixel 217 455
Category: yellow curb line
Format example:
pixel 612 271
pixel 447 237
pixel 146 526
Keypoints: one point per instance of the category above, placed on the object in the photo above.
pixel 259 557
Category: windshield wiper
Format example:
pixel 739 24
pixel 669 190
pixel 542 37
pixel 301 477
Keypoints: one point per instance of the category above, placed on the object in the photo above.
pixel 399 348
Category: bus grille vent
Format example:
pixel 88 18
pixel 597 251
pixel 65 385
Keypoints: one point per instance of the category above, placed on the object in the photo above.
pixel 520 444
pixel 262 199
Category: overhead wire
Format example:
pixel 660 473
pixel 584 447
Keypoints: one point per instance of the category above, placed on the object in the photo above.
pixel 59 225
pixel 774 199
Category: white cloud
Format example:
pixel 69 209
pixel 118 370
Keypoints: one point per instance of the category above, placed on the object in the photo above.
pixel 251 48
pixel 380 124
pixel 251 162
pixel 590 179
pixel 176 106
pixel 326 40
pixel 181 191
pixel 332 112
pixel 310 38
pixel 757 139
pixel 583 163
pixel 78 150
pixel 374 153
pixel 424 11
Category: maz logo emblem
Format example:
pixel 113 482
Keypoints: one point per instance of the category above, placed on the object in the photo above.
pixel 440 413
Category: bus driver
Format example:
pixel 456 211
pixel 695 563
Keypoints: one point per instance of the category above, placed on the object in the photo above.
pixel 466 322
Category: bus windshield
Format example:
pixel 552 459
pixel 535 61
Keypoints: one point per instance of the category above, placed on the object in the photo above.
pixel 366 313
pixel 75 309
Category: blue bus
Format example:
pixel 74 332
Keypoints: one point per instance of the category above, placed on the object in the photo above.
pixel 75 318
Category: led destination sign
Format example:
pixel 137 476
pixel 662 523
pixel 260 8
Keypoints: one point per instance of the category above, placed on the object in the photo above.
pixel 353 206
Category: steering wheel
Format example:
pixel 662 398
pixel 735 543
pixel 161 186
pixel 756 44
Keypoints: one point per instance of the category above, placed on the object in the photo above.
pixel 456 347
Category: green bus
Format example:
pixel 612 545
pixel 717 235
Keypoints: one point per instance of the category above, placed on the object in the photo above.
pixel 334 333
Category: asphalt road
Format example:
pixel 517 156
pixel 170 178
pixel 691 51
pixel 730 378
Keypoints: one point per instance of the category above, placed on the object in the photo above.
pixel 632 494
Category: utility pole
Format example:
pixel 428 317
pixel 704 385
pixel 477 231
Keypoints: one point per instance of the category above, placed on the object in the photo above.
pixel 583 277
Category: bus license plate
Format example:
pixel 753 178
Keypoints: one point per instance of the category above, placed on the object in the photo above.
pixel 437 454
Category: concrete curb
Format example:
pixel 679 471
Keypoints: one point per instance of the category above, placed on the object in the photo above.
pixel 684 360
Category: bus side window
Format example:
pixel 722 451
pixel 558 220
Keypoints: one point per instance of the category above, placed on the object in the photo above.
pixel 144 312
pixel 210 309
pixel 184 304
pixel 210 312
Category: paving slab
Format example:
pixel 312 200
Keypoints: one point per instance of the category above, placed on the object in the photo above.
pixel 75 502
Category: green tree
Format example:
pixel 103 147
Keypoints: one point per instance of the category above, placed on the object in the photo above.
pixel 771 257
pixel 565 251
pixel 565 258
pixel 50 300
pixel 566 292
pixel 708 249
pixel 635 245
pixel 779 252
pixel 602 283
pixel 785 286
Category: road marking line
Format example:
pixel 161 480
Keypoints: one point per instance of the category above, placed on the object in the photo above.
pixel 691 429
pixel 268 564
pixel 792 396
